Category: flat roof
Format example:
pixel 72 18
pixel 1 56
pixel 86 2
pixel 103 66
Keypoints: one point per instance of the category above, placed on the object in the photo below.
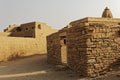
pixel 97 19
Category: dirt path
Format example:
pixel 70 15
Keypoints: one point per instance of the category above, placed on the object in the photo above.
pixel 36 68
pixel 31 68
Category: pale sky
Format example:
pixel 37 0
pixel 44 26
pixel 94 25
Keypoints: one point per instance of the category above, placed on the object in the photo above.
pixel 56 13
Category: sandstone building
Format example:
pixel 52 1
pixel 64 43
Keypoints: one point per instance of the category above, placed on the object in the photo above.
pixel 89 46
pixel 24 40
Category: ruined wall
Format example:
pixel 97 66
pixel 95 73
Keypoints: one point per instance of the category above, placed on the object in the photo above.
pixel 11 28
pixel 23 30
pixel 53 49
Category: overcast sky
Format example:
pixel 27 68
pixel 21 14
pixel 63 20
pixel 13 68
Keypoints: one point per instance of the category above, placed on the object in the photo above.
pixel 56 13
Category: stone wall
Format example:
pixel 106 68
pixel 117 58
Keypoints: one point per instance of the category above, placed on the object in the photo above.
pixel 53 49
pixel 93 49
pixel 103 49
pixel 76 49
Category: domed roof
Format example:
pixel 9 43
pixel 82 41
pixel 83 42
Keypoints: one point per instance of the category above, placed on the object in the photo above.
pixel 107 13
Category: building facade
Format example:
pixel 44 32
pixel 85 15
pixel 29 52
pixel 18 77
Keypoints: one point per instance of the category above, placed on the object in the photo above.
pixel 31 29
pixel 89 46
pixel 24 40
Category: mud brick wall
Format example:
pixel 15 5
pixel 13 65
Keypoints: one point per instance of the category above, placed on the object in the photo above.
pixel 13 48
pixel 53 49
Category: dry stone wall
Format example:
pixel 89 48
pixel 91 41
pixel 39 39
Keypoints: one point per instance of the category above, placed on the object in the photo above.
pixel 53 49
pixel 103 49
pixel 76 49
pixel 93 49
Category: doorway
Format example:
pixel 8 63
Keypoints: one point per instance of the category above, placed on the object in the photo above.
pixel 63 50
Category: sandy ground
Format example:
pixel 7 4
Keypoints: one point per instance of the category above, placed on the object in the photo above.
pixel 36 68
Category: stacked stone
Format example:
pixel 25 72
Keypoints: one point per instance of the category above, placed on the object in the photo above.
pixel 76 47
pixel 93 48
pixel 102 49
pixel 53 49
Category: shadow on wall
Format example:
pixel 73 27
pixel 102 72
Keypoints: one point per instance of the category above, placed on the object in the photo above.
pixel 12 56
pixel 15 56
pixel 115 65
pixel 19 32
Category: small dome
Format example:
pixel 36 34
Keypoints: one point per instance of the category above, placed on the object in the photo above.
pixel 107 13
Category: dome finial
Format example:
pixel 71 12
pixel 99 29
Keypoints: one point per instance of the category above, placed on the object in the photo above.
pixel 107 13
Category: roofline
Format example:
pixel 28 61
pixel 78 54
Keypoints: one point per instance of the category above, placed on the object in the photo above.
pixel 86 19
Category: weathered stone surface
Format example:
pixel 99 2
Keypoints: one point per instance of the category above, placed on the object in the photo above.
pixel 53 49
pixel 93 45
